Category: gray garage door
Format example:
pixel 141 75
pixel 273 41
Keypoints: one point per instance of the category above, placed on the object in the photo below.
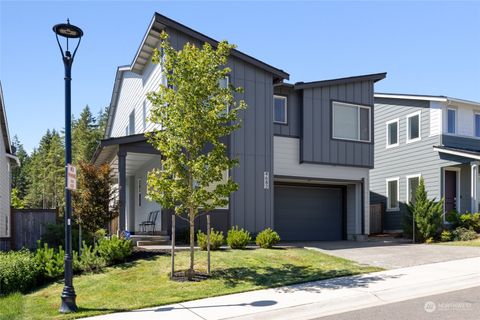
pixel 308 213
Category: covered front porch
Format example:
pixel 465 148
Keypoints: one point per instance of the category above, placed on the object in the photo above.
pixel 131 158
pixel 460 179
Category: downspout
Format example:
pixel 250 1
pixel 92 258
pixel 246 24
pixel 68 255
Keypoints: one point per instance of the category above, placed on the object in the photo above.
pixel 14 158
pixel 473 191
pixel 363 206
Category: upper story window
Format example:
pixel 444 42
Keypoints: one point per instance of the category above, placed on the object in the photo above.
pixel 451 120
pixel 131 123
pixel 413 127
pixel 392 133
pixel 351 122
pixel 477 124
pixel 144 115
pixel 280 109
pixel 224 83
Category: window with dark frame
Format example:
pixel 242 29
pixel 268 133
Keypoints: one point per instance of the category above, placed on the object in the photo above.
pixel 351 122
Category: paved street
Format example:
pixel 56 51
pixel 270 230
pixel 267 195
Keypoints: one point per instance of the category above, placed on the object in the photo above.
pixel 455 305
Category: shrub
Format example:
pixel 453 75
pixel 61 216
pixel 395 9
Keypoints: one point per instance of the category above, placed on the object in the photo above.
pixel 453 217
pixel 428 213
pixel 238 238
pixel 18 271
pixel 54 235
pixel 50 261
pixel 446 236
pixel 463 234
pixel 216 240
pixel 114 249
pixel 267 238
pixel 430 240
pixel 90 260
pixel 470 221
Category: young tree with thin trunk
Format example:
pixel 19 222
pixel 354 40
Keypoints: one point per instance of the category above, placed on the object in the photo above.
pixel 194 111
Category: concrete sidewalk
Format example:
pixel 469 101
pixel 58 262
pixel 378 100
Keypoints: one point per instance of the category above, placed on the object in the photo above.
pixel 322 298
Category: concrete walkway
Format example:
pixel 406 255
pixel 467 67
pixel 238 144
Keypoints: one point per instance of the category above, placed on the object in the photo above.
pixel 322 298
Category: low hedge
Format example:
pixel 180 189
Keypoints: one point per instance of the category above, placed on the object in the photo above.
pixel 19 271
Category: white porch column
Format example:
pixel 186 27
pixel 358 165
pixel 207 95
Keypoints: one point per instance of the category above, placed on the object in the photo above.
pixel 473 186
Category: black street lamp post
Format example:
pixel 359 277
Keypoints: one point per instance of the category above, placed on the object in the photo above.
pixel 68 31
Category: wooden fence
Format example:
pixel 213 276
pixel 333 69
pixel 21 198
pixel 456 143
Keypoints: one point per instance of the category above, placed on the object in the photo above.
pixel 376 218
pixel 28 226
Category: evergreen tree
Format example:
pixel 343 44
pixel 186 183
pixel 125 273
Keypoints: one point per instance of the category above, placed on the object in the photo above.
pixel 19 173
pixel 427 212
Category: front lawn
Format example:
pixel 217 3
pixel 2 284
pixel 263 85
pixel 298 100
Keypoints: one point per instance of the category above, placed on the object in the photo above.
pixel 145 283
pixel 470 243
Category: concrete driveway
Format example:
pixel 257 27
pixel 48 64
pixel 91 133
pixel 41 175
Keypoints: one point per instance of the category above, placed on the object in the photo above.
pixel 392 254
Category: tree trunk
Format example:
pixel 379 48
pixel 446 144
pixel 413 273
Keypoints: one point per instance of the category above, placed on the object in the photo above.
pixel 192 243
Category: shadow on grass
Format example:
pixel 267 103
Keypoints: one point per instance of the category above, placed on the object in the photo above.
pixel 288 274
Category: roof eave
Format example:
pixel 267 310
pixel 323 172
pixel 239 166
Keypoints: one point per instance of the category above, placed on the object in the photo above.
pixel 368 77
pixel 4 123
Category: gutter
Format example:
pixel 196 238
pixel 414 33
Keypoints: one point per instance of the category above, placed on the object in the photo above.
pixel 14 158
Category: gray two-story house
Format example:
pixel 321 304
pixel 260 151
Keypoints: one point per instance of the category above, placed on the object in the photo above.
pixel 436 138
pixel 305 149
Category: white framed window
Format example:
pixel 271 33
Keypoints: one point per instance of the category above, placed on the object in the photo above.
pixel 393 191
pixel 393 133
pixel 476 124
pixel 451 120
pixel 224 82
pixel 144 115
pixel 413 181
pixel 351 122
pixel 139 192
pixel 413 127
pixel 280 109
pixel 131 123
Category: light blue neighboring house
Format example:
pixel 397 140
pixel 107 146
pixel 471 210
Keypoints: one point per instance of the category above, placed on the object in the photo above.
pixel 433 137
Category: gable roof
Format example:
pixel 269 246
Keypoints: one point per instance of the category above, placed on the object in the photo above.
pixel 149 43
pixel 160 22
pixel 4 124
pixel 446 99
pixel 372 77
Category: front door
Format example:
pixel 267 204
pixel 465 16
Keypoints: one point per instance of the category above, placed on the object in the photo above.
pixel 450 190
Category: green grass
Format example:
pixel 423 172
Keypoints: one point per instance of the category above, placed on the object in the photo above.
pixel 471 243
pixel 145 283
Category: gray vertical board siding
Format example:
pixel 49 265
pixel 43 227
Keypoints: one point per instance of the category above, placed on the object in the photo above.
pixel 251 206
pixel 406 159
pixel 461 142
pixel 292 128
pixel 318 145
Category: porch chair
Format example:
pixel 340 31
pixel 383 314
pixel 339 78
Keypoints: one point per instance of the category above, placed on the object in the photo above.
pixel 152 218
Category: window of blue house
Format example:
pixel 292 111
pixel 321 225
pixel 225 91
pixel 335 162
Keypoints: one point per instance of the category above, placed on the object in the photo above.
pixel 451 121
pixel 477 124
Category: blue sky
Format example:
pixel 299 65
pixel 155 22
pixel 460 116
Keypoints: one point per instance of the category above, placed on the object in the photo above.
pixel 426 47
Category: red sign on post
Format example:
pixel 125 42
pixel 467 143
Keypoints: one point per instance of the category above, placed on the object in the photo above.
pixel 71 177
